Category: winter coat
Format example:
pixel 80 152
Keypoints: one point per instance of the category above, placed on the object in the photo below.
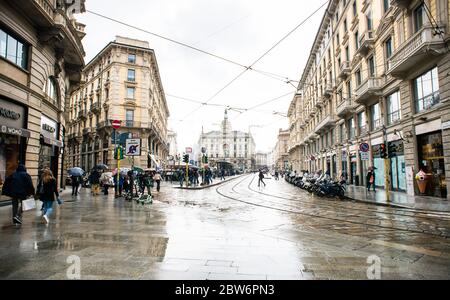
pixel 369 174
pixel 19 184
pixel 95 178
pixel 50 190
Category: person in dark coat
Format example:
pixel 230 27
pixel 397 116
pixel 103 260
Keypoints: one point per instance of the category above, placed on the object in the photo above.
pixel 261 177
pixel 370 178
pixel 49 194
pixel 76 181
pixel 94 179
pixel 18 186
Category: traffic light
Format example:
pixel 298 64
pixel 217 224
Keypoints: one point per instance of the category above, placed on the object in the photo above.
pixel 186 158
pixel 392 150
pixel 118 153
pixel 383 151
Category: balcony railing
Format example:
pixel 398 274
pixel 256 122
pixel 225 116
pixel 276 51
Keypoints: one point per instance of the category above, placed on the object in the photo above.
pixel 82 114
pixel 328 90
pixel 366 41
pixel 368 89
pixel 46 6
pixel 95 107
pixel 400 3
pixel 347 106
pixel 132 124
pixel 327 122
pixel 422 45
pixel 344 69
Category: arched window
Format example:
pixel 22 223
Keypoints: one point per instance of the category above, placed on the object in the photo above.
pixel 51 90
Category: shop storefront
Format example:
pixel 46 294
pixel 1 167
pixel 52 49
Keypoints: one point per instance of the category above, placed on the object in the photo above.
pixel 50 145
pixel 378 163
pixel 431 161
pixel 398 167
pixel 13 137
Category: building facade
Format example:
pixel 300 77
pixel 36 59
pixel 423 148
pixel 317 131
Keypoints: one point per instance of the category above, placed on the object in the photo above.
pixel 261 160
pixel 281 158
pixel 229 147
pixel 377 78
pixel 172 143
pixel 121 82
pixel 41 58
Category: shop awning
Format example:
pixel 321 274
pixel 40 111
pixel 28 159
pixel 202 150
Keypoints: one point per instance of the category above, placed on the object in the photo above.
pixel 15 131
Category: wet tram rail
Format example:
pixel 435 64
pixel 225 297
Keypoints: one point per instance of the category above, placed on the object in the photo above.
pixel 366 215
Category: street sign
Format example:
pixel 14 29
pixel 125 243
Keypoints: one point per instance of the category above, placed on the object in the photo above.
pixel 116 124
pixel 133 147
pixel 188 150
pixel 364 155
pixel 364 147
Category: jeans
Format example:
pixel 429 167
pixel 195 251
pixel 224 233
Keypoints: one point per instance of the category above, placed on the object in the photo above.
pixel 17 211
pixel 370 184
pixel 75 189
pixel 48 207
pixel 259 182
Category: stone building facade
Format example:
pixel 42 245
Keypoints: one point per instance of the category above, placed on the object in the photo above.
pixel 122 82
pixel 229 148
pixel 41 58
pixel 281 156
pixel 377 78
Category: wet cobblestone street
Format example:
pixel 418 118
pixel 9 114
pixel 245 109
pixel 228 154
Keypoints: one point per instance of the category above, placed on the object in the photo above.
pixel 233 231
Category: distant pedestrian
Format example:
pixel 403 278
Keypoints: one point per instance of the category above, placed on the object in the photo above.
pixel 157 179
pixel 49 194
pixel 222 174
pixel 94 179
pixel 261 177
pixel 75 181
pixel 18 186
pixel 148 182
pixel 370 177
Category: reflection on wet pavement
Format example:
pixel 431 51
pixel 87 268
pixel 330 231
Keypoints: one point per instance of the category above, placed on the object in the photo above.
pixel 276 232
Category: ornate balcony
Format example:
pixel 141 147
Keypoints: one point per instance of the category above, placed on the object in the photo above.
pixel 345 108
pixel 328 92
pixel 95 108
pixel 366 42
pixel 82 114
pixel 344 69
pixel 400 3
pixel 132 124
pixel 368 89
pixel 327 122
pixel 423 45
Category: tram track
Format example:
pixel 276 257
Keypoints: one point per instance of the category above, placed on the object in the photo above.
pixel 265 204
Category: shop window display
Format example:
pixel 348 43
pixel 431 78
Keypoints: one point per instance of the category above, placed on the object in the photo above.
pixel 9 156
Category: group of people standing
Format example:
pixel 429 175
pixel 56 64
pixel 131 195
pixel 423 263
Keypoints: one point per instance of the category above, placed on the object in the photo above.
pixel 19 186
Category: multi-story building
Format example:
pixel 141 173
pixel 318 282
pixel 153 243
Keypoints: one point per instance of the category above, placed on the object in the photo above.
pixel 172 143
pixel 281 156
pixel 121 82
pixel 261 160
pixel 229 148
pixel 377 76
pixel 41 58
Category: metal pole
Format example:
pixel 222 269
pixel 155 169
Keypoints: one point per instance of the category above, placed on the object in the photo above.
pixel 118 162
pixel 387 180
pixel 187 174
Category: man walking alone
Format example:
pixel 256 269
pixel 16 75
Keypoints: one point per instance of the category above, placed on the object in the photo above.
pixel 261 177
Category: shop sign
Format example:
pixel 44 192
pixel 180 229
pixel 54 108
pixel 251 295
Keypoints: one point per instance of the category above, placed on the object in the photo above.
pixel 49 127
pixel 15 131
pixel 11 114
pixel 364 155
pixel 446 125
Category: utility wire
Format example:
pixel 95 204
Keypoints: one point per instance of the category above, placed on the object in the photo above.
pixel 261 57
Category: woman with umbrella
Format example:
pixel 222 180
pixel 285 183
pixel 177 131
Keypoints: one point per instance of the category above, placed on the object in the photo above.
pixel 76 177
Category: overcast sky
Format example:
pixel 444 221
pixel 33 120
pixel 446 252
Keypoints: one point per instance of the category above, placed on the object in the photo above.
pixel 239 30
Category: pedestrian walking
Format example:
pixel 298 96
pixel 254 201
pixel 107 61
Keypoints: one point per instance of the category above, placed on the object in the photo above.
pixel 105 180
pixel 48 193
pixel 222 174
pixel 181 177
pixel 148 182
pixel 157 179
pixel 94 179
pixel 75 181
pixel 261 177
pixel 18 186
pixel 370 178
pixel 276 175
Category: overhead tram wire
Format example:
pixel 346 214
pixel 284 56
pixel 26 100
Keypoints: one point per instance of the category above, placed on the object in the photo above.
pixel 179 43
pixel 262 56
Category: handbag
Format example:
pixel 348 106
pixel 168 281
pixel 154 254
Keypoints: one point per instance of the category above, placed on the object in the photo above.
pixel 28 204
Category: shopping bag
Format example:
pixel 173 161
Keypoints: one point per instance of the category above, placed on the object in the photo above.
pixel 28 204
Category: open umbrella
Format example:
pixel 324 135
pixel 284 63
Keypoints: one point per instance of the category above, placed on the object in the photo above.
pixel 76 171
pixel 101 167
pixel 139 170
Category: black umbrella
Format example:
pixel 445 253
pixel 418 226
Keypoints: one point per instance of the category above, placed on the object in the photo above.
pixel 101 167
